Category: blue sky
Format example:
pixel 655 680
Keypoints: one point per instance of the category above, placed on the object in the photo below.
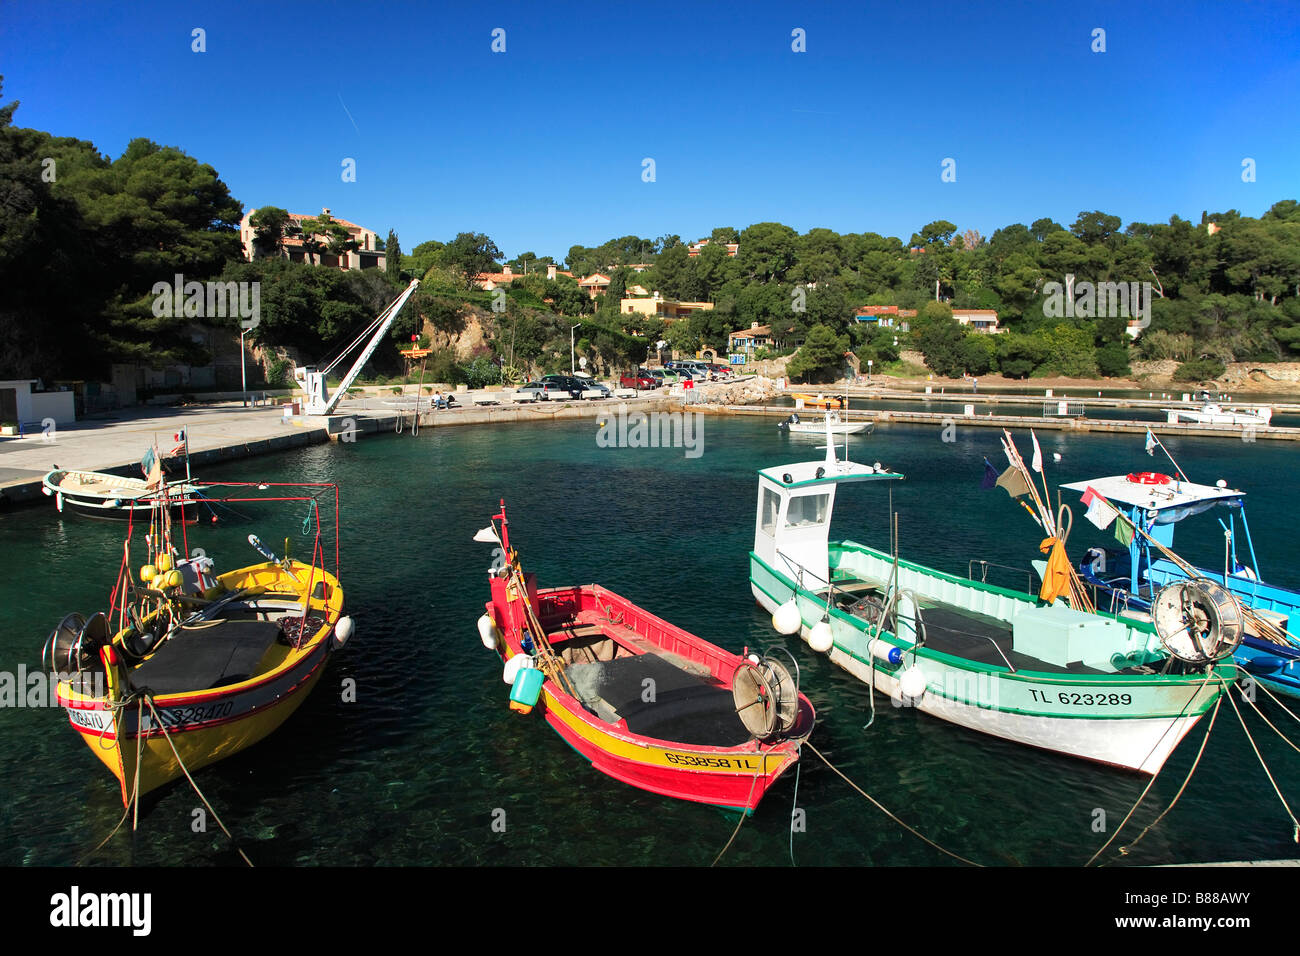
pixel 541 146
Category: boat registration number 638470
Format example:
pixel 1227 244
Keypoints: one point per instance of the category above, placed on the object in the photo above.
pixel 722 763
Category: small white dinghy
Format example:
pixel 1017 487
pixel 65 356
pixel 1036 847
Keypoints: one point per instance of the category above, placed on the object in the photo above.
pixel 832 420
pixel 105 495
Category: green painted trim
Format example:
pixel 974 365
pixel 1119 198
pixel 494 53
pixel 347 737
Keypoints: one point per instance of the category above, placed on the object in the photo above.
pixel 977 585
pixel 831 479
pixel 1228 673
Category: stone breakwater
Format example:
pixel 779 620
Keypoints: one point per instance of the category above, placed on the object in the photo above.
pixel 749 391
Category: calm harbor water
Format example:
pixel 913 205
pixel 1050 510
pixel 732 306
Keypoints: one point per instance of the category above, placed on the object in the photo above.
pixel 414 771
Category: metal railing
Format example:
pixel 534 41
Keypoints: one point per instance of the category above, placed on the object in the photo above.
pixel 984 572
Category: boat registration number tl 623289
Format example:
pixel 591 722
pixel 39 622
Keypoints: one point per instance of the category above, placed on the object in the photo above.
pixel 1081 700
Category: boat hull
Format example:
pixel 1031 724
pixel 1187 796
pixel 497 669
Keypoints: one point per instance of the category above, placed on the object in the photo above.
pixel 1133 722
pixel 203 725
pixel 102 495
pixel 732 777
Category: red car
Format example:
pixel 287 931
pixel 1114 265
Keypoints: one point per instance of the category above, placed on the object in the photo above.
pixel 641 380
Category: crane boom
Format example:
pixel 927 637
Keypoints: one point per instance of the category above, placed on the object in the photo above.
pixel 319 401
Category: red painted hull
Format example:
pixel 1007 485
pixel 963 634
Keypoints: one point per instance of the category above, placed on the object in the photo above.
pixel 590 620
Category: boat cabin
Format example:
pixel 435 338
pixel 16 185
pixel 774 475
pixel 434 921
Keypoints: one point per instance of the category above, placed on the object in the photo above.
pixel 1156 503
pixel 795 503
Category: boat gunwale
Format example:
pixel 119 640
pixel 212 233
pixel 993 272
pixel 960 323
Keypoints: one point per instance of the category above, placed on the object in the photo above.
pixel 788 745
pixel 997 670
pixel 294 660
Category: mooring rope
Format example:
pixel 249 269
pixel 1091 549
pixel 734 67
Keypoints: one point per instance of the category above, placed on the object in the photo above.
pixel 1274 698
pixel 1252 703
pixel 794 808
pixel 168 737
pixel 886 812
pixel 1295 824
pixel 1188 779
pixel 1151 783
pixel 132 802
pixel 744 814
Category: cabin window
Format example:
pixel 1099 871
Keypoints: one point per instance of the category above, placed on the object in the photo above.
pixel 771 505
pixel 807 511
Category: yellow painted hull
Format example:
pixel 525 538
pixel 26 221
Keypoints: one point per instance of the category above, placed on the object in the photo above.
pixel 136 742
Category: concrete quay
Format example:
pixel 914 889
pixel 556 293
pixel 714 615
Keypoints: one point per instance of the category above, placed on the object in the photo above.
pixel 227 431
pixel 1039 422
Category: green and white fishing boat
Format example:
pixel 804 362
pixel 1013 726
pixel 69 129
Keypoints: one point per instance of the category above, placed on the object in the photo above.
pixel 1105 688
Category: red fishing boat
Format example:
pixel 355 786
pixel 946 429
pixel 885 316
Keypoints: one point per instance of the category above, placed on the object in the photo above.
pixel 646 702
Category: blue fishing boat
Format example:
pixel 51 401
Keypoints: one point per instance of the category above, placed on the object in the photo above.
pixel 1127 578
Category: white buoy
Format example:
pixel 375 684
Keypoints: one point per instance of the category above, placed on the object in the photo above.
pixel 820 639
pixel 342 631
pixel 487 632
pixel 515 665
pixel 885 652
pixel 787 619
pixel 912 683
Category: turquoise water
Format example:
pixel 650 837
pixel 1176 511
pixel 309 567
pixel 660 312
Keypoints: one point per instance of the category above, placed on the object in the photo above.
pixel 417 768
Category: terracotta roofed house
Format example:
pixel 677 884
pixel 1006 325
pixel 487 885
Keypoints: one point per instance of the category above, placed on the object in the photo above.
pixel 366 256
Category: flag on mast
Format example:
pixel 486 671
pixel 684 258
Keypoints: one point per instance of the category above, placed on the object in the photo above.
pixel 990 475
pixel 1100 512
pixel 1151 443
pixel 1038 453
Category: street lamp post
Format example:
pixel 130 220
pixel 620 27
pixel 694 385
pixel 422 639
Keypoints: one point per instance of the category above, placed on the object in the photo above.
pixel 243 379
pixel 572 369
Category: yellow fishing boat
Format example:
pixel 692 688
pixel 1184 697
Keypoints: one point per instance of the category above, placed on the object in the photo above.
pixel 199 667
pixel 804 400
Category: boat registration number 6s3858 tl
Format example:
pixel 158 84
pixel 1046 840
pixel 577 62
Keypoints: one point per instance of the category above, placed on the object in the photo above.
pixel 722 763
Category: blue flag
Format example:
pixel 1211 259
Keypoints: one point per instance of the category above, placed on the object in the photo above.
pixel 1151 443
pixel 990 475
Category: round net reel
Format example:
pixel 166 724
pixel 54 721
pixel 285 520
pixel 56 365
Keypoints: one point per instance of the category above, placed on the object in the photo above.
pixel 74 644
pixel 1198 621
pixel 766 697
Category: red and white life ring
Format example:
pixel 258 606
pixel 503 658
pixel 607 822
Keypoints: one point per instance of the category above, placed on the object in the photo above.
pixel 1149 478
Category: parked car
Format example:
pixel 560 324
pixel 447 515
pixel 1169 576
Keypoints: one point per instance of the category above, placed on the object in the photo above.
pixel 641 380
pixel 545 391
pixel 563 383
pixel 594 389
